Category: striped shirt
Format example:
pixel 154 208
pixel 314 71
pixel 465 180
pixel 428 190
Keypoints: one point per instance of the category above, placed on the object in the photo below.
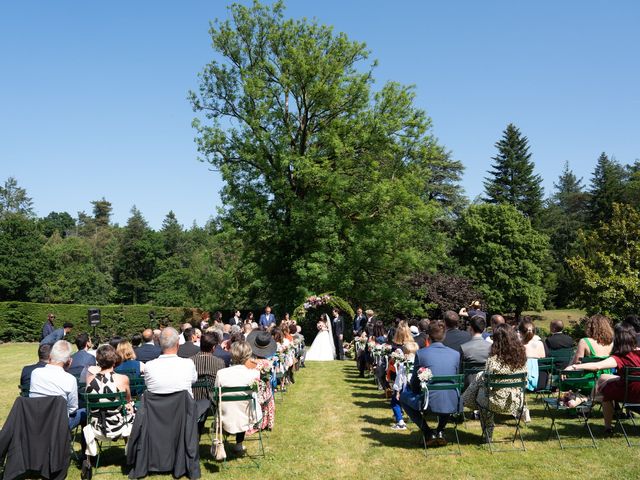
pixel 207 366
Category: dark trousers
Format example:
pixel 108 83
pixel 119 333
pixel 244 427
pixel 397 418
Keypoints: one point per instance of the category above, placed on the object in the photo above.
pixel 418 419
pixel 339 348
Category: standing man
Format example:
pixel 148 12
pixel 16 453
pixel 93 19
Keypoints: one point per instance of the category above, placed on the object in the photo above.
pixel 48 327
pixel 57 334
pixel 267 318
pixel 368 326
pixel 236 319
pixel 338 334
pixel 359 322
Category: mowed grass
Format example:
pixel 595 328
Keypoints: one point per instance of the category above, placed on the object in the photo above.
pixel 333 425
pixel 544 318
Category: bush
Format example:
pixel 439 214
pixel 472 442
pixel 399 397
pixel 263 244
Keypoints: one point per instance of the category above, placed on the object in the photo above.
pixel 22 321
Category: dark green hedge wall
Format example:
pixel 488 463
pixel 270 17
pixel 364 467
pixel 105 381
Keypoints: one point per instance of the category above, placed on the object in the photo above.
pixel 22 321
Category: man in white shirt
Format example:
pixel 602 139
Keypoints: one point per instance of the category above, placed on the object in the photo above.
pixel 169 373
pixel 52 380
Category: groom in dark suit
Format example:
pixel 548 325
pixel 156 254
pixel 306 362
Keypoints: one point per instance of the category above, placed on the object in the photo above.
pixel 338 333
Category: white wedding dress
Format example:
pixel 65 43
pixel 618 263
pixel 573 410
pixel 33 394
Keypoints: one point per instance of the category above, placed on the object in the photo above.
pixel 322 349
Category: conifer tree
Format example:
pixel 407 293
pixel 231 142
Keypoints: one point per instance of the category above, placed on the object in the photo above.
pixel 607 188
pixel 512 179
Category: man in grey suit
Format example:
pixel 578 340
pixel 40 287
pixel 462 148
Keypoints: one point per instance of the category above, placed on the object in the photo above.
pixel 441 360
pixel 476 351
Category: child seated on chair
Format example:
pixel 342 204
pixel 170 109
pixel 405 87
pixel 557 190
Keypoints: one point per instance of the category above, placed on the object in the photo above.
pixel 403 376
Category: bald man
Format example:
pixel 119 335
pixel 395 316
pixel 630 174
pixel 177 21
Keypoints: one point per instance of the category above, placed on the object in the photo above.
pixel 148 350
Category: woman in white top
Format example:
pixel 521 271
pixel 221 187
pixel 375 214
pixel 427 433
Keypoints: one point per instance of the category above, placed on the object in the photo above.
pixel 534 349
pixel 239 417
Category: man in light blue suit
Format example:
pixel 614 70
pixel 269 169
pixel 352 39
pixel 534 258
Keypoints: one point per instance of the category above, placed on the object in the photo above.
pixel 267 318
pixel 441 360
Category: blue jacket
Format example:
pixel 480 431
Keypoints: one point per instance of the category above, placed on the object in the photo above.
pixel 265 320
pixel 440 360
pixel 147 352
pixel 53 337
pixel 79 360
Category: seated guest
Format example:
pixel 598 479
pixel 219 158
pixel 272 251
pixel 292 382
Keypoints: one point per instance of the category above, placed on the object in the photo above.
pixel 263 347
pixel 183 328
pixel 507 356
pixel 402 335
pixel 422 339
pixel 220 352
pixel 169 373
pixel 534 349
pixel 115 341
pixel 625 353
pixel 148 350
pixel 558 340
pixel 634 322
pixel 53 380
pixel 476 351
pixel 43 359
pixel 110 423
pixel 599 339
pixel 207 365
pixel 441 360
pixel 238 417
pixel 495 321
pixel 195 337
pixel 57 334
pixel 136 340
pixel 128 362
pixel 454 337
pixel 188 349
pixel 82 358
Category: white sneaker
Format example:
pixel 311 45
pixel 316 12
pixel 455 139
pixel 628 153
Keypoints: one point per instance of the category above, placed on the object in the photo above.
pixel 399 426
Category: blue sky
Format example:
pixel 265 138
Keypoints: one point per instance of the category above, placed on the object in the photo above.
pixel 93 94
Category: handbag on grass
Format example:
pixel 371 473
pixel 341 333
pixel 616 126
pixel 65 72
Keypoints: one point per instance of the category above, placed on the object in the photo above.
pixel 217 446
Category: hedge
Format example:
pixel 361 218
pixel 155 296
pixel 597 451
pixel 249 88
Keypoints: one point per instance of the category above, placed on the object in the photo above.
pixel 22 321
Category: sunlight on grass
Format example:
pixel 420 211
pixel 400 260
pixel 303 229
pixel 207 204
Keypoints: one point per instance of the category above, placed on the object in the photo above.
pixel 333 425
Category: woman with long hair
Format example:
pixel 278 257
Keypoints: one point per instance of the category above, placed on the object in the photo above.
pixel 625 353
pixel 507 356
pixel 402 335
pixel 598 341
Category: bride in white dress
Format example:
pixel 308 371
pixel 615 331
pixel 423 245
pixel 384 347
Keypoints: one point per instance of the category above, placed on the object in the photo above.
pixel 322 349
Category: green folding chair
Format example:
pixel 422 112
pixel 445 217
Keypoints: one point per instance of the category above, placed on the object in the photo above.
pixel 631 376
pixel 576 381
pixel 442 383
pixel 97 405
pixel 545 365
pixel 493 383
pixel 240 394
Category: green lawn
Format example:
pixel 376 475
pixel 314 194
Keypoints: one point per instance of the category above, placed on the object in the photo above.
pixel 332 424
pixel 543 318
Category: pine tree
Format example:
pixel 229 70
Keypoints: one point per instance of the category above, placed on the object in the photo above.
pixel 171 234
pixel 102 212
pixel 512 179
pixel 607 188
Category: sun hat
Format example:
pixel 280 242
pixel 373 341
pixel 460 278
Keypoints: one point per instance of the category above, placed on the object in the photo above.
pixel 414 330
pixel 262 343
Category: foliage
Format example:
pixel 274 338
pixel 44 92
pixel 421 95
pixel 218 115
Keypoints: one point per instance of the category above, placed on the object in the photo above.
pixel 608 270
pixel 101 212
pixel 307 318
pixel 512 180
pixel 331 186
pixel 136 258
pixel 607 188
pixel 501 252
pixel 439 292
pixel 14 199
pixel 60 222
pixel 565 215
pixel 22 321
pixel 20 244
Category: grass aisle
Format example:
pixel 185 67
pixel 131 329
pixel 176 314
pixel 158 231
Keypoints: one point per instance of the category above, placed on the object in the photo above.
pixel 333 425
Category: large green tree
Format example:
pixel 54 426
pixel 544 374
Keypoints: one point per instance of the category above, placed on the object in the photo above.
pixel 20 255
pixel 136 259
pixel 607 188
pixel 332 186
pixel 565 214
pixel 503 254
pixel 14 199
pixel 512 179
pixel 608 269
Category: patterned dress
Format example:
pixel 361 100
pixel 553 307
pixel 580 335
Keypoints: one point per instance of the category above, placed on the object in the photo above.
pixel 109 423
pixel 504 400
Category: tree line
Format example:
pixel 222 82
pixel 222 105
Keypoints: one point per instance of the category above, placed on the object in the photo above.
pixel 332 185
